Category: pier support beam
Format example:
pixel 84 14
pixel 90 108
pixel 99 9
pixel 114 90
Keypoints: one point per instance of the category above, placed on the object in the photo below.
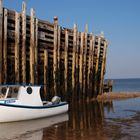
pixel 58 57
pixel 96 67
pixel 74 55
pixel 23 43
pixel 45 74
pixel 32 47
pixel 81 62
pixel 55 54
pixel 90 62
pixel 36 51
pixel 17 40
pixel 1 36
pixel 66 61
pixel 85 62
pixel 103 68
pixel 5 48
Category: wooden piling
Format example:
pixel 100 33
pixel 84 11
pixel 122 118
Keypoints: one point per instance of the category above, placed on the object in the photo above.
pixel 17 40
pixel 81 61
pixel 85 64
pixel 66 61
pixel 36 51
pixel 45 73
pixel 59 56
pixel 106 57
pixel 77 59
pixel 24 42
pixel 96 67
pixel 5 48
pixel 55 54
pixel 103 68
pixel 32 47
pixel 74 55
pixel 90 61
pixel 1 35
pixel 59 43
pixel 92 67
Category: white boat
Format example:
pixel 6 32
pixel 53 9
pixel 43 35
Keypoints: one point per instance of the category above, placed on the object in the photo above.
pixel 23 102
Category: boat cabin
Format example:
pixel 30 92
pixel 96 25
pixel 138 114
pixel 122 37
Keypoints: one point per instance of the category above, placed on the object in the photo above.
pixel 22 95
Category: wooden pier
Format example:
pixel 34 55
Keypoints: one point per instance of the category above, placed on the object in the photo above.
pixel 39 52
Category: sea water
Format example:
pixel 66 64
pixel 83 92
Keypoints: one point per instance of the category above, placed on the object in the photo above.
pixel 126 85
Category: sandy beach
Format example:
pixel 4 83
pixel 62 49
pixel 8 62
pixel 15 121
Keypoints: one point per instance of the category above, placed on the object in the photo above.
pixel 118 95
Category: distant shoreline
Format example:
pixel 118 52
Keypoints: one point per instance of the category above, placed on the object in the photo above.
pixel 118 95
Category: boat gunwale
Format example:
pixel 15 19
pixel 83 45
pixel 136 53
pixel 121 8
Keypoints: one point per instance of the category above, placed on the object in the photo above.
pixel 34 107
pixel 24 85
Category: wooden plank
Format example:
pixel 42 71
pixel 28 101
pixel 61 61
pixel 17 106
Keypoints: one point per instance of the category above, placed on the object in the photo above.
pixel 59 43
pixel 77 59
pixel 5 48
pixel 59 56
pixel 55 54
pixel 24 42
pixel 17 40
pixel 81 61
pixel 103 68
pixel 32 46
pixel 92 66
pixel 96 67
pixel 90 62
pixel 45 73
pixel 66 61
pixel 1 36
pixel 36 51
pixel 85 64
pixel 74 55
pixel 105 56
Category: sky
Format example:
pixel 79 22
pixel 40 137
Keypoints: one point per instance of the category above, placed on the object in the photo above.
pixel 118 19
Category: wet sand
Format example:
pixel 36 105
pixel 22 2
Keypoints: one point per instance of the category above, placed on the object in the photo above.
pixel 118 95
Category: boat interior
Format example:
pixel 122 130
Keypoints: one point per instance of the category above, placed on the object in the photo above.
pixel 12 92
pixel 9 92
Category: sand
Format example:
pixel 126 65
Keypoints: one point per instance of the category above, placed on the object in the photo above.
pixel 118 95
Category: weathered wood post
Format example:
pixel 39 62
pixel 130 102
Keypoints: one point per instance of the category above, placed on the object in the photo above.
pixel 5 48
pixel 90 62
pixel 59 43
pixel 77 62
pixel 81 62
pixel 103 68
pixel 74 55
pixel 55 54
pixel 96 67
pixel 45 73
pixel 36 51
pixel 32 47
pixel 1 36
pixel 17 40
pixel 92 66
pixel 105 56
pixel 24 42
pixel 59 56
pixel 85 62
pixel 66 61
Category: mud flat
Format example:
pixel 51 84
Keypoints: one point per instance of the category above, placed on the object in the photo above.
pixel 118 95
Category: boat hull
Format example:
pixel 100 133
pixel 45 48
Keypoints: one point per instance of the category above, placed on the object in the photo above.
pixel 10 113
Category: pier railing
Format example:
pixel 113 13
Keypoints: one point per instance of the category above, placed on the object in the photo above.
pixel 39 52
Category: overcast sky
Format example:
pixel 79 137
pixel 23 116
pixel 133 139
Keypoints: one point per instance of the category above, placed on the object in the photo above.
pixel 118 19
